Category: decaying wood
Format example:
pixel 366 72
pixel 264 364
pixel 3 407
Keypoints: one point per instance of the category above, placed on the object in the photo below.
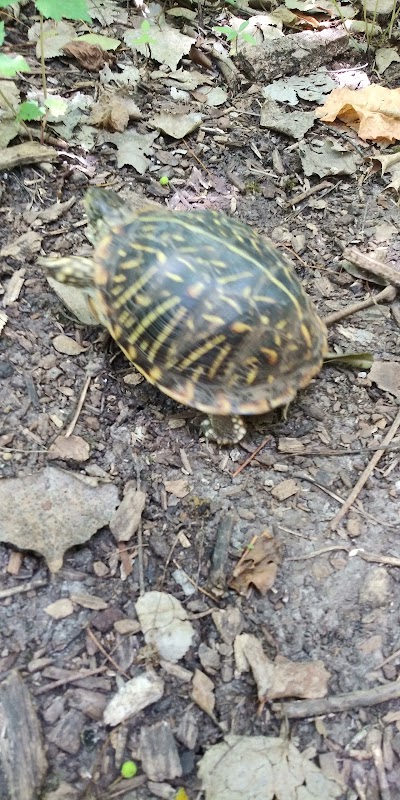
pixel 27 153
pixel 299 709
pixel 295 54
pixel 23 764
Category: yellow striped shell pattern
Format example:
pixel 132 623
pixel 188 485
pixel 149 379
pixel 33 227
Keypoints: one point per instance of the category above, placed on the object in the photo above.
pixel 207 310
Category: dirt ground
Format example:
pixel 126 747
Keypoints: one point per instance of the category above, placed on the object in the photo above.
pixel 335 597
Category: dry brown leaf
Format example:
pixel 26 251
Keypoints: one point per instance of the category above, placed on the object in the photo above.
pixel 53 510
pixel 372 111
pixel 285 489
pixel 279 678
pixel 60 609
pixel 67 346
pixel 113 112
pixel 128 515
pixel 22 248
pixel 179 487
pixel 263 768
pixel 258 566
pixel 89 601
pixel 203 692
pixel 301 679
pixel 71 448
pixel 89 56
pixel 386 375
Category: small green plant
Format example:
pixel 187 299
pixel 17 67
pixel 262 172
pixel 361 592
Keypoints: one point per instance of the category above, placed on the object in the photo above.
pixel 235 36
pixel 10 66
pixel 144 35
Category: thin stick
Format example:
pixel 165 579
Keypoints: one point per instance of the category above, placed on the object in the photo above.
pixel 78 408
pixel 140 541
pixel 365 475
pixel 27 587
pixel 77 676
pixel 299 709
pixel 387 294
pixel 105 654
pixel 377 756
pixel 384 271
pixel 251 457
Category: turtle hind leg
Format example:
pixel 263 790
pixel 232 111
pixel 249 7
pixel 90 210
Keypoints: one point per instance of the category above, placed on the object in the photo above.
pixel 224 430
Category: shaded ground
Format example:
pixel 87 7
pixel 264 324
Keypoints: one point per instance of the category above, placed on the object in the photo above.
pixel 327 603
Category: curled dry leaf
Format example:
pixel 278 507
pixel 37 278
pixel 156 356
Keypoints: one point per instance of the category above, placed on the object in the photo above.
pixel 203 692
pixel 386 375
pixel 89 56
pixel 258 566
pixel 67 346
pixel 371 111
pixel 113 112
pixel 128 515
pixel 281 678
pixel 53 510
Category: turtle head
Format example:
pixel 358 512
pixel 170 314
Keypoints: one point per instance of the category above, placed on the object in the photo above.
pixel 104 209
pixel 74 270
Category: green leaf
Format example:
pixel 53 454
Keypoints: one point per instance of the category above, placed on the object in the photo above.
pixel 227 31
pixel 355 360
pixel 9 66
pixel 57 106
pixel 68 9
pixel 105 42
pixel 29 111
pixel 2 34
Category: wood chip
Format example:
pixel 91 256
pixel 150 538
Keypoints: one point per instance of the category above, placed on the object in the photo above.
pixel 23 763
pixel 159 753
pixel 285 489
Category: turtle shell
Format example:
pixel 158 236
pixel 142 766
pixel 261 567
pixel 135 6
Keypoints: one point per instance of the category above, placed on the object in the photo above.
pixel 207 310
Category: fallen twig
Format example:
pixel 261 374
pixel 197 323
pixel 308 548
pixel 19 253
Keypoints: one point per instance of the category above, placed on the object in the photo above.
pixel 78 409
pixel 299 709
pixel 365 475
pixel 27 587
pixel 250 458
pixel 386 295
pixel 384 271
pixel 77 676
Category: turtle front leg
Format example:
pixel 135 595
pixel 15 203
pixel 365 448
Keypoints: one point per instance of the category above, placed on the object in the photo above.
pixel 224 430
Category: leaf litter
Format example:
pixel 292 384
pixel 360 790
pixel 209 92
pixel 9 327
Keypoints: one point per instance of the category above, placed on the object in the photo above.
pixel 53 510
pixel 290 773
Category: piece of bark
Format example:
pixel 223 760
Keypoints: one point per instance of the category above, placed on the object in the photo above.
pixel 66 734
pixel 23 764
pixel 294 54
pixel 159 753
pixel 27 153
pixel 219 559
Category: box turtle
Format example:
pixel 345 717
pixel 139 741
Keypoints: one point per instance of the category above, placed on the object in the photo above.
pixel 203 306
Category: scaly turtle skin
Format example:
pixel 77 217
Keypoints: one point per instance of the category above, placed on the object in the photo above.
pixel 204 307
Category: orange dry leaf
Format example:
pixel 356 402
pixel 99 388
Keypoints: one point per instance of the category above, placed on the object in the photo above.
pixel 258 566
pixel 373 111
